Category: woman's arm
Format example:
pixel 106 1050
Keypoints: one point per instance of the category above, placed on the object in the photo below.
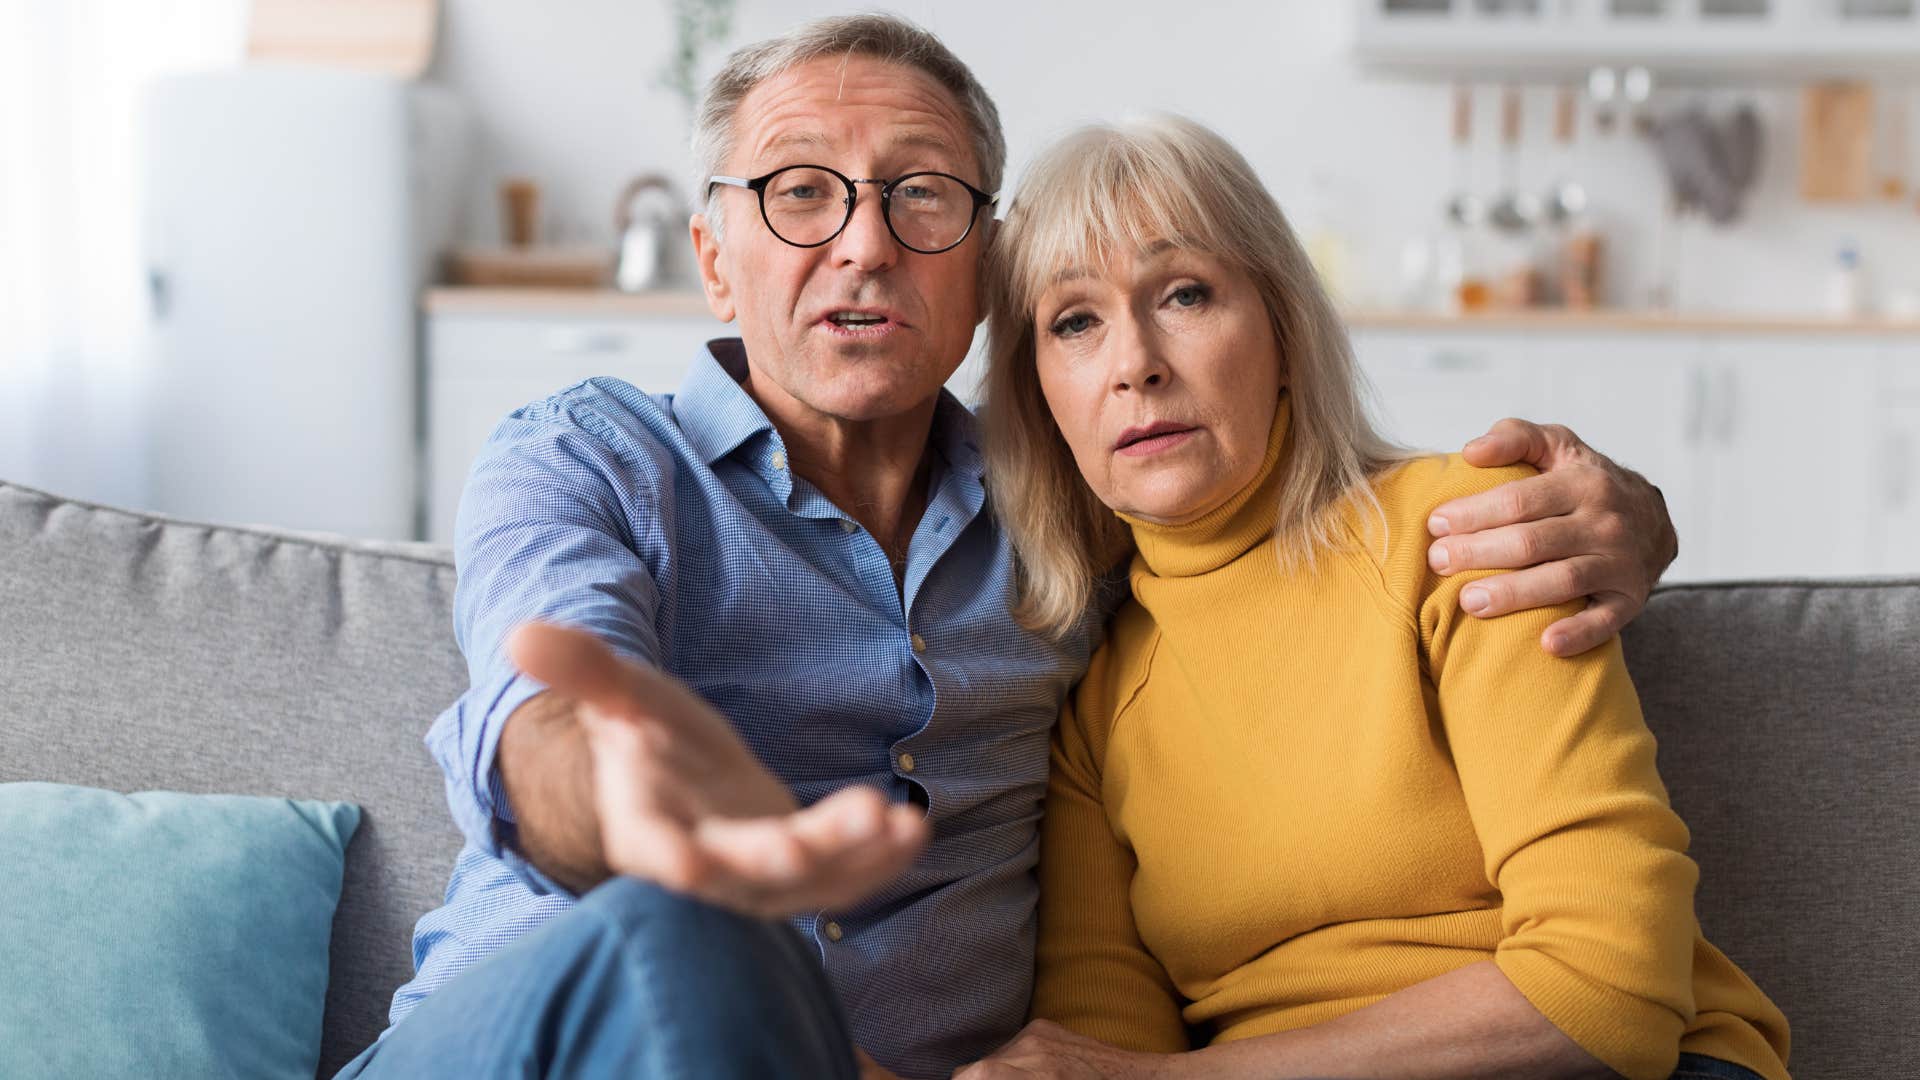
pixel 1093 972
pixel 1470 1024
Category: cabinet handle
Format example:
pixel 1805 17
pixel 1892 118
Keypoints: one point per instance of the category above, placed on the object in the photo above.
pixel 1699 391
pixel 1454 360
pixel 1729 404
pixel 572 341
pixel 1899 459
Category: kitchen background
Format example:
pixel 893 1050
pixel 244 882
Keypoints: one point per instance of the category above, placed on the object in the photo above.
pixel 324 278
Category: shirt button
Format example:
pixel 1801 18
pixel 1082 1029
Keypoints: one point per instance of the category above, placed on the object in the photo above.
pixel 834 933
pixel 919 643
pixel 906 762
pixel 848 525
pixel 779 459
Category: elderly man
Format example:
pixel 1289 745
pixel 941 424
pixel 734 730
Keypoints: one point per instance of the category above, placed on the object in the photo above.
pixel 793 687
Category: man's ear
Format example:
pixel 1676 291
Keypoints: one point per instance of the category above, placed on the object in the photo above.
pixel 706 255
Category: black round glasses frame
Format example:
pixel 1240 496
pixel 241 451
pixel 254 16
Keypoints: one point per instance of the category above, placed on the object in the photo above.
pixel 758 185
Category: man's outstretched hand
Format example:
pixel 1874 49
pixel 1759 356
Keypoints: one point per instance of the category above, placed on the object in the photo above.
pixel 1584 528
pixel 682 802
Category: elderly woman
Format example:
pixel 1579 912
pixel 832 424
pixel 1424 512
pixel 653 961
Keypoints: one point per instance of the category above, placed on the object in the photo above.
pixel 1304 814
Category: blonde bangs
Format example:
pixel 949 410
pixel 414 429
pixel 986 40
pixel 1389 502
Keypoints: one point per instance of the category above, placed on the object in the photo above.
pixel 1098 195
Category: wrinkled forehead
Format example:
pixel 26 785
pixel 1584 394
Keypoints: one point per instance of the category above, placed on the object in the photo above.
pixel 830 111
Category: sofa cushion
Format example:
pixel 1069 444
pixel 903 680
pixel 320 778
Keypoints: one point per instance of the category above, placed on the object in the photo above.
pixel 161 934
pixel 145 653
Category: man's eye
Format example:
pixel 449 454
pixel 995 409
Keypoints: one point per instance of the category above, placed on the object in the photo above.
pixel 801 192
pixel 1069 325
pixel 918 193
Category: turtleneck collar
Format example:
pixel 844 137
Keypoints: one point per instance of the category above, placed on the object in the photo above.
pixel 1226 532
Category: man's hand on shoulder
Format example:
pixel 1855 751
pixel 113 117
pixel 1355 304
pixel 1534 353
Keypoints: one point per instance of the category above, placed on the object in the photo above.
pixel 1585 527
pixel 681 801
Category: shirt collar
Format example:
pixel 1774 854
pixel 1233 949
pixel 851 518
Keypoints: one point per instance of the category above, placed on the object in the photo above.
pixel 718 416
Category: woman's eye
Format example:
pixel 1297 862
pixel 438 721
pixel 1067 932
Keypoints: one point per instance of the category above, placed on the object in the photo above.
pixel 1069 325
pixel 1188 295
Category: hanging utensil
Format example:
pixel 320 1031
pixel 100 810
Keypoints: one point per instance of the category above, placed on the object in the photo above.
pixel 1515 211
pixel 1566 199
pixel 1603 85
pixel 1464 208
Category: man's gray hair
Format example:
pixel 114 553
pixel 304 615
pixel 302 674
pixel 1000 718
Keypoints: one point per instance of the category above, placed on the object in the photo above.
pixel 883 37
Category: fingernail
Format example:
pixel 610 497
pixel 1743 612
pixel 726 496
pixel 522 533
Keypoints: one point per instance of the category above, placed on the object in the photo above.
pixel 1555 643
pixel 1475 600
pixel 1473 442
pixel 1437 525
pixel 1438 558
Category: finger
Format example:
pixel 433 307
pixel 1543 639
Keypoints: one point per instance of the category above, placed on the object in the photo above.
pixel 837 851
pixel 1511 547
pixel 1606 614
pixel 1534 587
pixel 1508 442
pixel 573 663
pixel 1531 499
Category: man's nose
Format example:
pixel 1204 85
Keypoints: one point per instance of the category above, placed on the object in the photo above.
pixel 866 243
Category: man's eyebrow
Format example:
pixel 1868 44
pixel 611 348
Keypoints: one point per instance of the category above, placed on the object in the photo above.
pixel 809 139
pixel 918 138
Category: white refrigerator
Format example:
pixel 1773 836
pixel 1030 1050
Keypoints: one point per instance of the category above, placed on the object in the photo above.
pixel 291 217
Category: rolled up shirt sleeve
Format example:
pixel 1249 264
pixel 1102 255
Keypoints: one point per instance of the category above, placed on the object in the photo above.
pixel 546 530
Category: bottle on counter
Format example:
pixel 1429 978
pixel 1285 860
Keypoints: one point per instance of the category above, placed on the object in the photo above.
pixel 1847 285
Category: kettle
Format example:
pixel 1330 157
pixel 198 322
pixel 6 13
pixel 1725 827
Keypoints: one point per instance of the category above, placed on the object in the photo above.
pixel 644 219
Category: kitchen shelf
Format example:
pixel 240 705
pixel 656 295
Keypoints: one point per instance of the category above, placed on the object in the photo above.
pixel 1680 40
pixel 1607 319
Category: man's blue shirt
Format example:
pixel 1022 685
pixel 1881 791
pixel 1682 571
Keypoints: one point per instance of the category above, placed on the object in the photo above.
pixel 674 528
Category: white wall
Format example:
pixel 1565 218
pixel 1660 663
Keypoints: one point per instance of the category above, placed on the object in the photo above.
pixel 567 94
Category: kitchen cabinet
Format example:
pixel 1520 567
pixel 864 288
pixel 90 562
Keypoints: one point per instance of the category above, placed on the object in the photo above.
pixel 1436 392
pixel 1796 39
pixel 482 365
pixel 1788 454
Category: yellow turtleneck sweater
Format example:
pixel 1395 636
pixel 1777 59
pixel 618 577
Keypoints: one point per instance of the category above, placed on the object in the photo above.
pixel 1280 795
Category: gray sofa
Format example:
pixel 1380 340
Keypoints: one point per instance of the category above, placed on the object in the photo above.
pixel 139 652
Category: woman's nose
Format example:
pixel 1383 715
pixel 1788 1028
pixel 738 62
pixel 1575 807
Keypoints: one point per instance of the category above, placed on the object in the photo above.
pixel 1138 363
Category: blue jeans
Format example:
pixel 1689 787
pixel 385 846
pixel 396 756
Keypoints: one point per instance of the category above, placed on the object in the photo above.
pixel 634 982
pixel 1701 1067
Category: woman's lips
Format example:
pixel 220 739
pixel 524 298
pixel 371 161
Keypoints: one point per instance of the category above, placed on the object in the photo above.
pixel 1157 444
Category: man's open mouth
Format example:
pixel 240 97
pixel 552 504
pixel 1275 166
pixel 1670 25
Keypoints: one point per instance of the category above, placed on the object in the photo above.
pixel 856 319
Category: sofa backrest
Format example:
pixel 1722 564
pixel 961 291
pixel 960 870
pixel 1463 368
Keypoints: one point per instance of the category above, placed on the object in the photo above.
pixel 1788 716
pixel 141 653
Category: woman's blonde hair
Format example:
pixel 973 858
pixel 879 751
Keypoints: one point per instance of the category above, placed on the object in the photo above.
pixel 1123 188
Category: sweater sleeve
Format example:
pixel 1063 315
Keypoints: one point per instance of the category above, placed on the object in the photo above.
pixel 1576 832
pixel 1094 974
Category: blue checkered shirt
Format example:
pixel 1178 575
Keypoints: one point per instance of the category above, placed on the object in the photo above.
pixel 672 527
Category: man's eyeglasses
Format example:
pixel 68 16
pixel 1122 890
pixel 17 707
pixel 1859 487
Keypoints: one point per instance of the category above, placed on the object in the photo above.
pixel 808 205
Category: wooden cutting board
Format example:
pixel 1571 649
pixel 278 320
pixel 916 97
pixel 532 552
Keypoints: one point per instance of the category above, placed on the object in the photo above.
pixel 394 37
pixel 1836 142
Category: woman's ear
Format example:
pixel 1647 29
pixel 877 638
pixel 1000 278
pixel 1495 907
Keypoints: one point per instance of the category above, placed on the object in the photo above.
pixel 713 278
